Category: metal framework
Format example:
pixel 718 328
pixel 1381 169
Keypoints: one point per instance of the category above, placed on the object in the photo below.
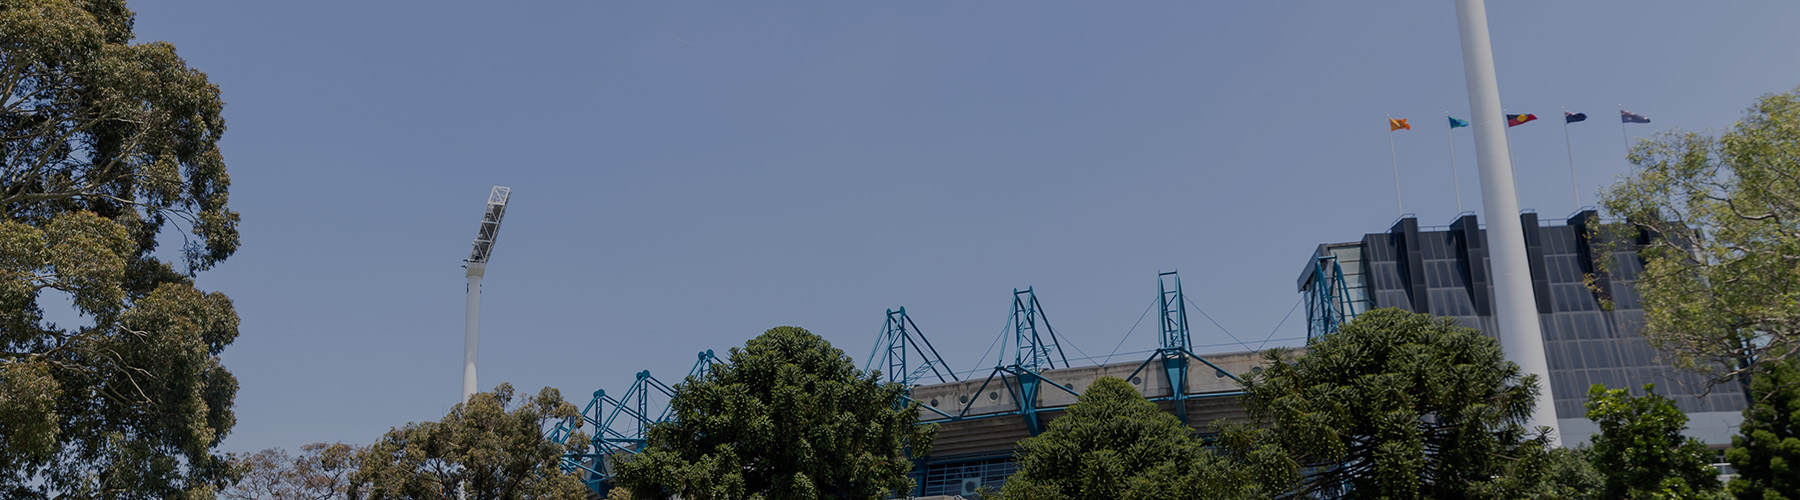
pixel 1328 304
pixel 621 425
pixel 490 225
pixel 1176 348
pixel 904 354
pixel 476 268
pixel 1035 349
pixel 1031 351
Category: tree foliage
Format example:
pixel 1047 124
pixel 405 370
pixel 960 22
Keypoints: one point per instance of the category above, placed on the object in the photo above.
pixel 1114 444
pixel 1401 405
pixel 488 446
pixel 1719 286
pixel 1766 451
pixel 321 472
pixel 1640 450
pixel 103 143
pixel 788 417
pixel 1567 474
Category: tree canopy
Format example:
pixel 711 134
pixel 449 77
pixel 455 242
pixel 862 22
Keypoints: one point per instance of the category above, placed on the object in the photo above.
pixel 1114 444
pixel 104 143
pixel 1766 451
pixel 321 472
pixel 1640 451
pixel 1400 405
pixel 489 447
pixel 1719 285
pixel 787 416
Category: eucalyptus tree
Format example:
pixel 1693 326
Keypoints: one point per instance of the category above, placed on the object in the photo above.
pixel 1721 216
pixel 488 448
pixel 104 144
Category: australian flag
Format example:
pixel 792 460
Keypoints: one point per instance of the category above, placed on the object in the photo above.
pixel 1573 117
pixel 1630 117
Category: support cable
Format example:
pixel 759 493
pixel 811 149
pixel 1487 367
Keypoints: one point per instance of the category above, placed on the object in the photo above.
pixel 990 349
pixel 1134 326
pixel 1284 319
pixel 1216 323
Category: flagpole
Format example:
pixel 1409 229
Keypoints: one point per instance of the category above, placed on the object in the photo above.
pixel 1568 147
pixel 1392 156
pixel 1622 134
pixel 1455 179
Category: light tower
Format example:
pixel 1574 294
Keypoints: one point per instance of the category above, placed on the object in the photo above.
pixel 1521 336
pixel 477 266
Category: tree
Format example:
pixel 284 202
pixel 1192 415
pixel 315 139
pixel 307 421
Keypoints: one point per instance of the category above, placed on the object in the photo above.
pixel 1719 281
pixel 1766 451
pixel 103 143
pixel 487 446
pixel 787 416
pixel 1399 405
pixel 321 472
pixel 1113 443
pixel 1640 450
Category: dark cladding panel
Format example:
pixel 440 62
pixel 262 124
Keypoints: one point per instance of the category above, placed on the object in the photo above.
pixel 1411 263
pixel 1448 271
pixel 1534 256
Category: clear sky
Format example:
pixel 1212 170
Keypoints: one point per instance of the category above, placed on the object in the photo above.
pixel 686 175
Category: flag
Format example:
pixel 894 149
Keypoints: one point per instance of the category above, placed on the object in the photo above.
pixel 1517 120
pixel 1397 124
pixel 1630 117
pixel 1573 117
pixel 1457 123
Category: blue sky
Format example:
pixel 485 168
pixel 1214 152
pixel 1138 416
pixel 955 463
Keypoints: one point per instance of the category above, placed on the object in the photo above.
pixel 689 174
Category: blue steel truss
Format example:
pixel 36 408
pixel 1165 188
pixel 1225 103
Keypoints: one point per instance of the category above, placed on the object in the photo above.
pixel 1328 304
pixel 621 425
pixel 1176 348
pixel 905 355
pixel 1023 382
pixel 1031 350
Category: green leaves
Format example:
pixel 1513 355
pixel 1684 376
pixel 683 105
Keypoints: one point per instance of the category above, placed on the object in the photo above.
pixel 1766 451
pixel 1640 450
pixel 788 416
pixel 1719 287
pixel 102 144
pixel 1113 443
pixel 491 448
pixel 1397 405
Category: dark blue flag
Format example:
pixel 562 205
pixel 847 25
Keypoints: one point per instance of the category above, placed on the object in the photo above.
pixel 1573 117
pixel 1630 117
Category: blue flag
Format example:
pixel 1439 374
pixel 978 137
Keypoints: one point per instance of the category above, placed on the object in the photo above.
pixel 1457 123
pixel 1630 117
pixel 1573 117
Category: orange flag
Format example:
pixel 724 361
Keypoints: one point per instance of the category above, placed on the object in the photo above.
pixel 1397 124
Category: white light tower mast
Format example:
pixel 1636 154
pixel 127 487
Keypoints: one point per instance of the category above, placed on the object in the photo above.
pixel 477 265
pixel 1515 309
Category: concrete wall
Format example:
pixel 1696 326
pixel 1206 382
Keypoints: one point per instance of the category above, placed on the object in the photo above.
pixel 994 394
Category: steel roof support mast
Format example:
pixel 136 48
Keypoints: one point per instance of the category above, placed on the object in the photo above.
pixel 1521 336
pixel 477 266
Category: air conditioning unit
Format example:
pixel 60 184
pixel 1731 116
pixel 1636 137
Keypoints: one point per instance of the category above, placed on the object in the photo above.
pixel 970 485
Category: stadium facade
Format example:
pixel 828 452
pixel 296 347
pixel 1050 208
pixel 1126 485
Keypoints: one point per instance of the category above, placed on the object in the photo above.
pixel 1444 271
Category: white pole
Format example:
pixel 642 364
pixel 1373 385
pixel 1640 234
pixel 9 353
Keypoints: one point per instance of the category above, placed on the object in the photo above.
pixel 1455 178
pixel 1570 148
pixel 1396 159
pixel 472 329
pixel 1521 337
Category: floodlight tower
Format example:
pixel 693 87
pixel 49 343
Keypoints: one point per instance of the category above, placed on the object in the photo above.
pixel 477 266
pixel 1521 336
